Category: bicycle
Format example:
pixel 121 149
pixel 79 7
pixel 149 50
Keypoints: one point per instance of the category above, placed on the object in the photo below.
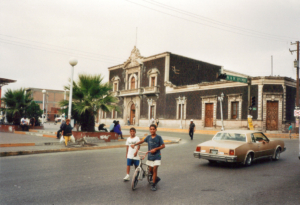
pixel 140 172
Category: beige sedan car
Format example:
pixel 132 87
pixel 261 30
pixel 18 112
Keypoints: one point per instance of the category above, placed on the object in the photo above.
pixel 240 146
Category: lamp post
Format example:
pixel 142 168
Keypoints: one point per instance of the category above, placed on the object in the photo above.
pixel 181 102
pixel 221 110
pixel 43 116
pixel 73 62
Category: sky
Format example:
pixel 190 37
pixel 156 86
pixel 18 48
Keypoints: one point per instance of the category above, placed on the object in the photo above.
pixel 37 38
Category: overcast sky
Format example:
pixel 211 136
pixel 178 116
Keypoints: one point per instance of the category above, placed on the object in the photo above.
pixel 37 38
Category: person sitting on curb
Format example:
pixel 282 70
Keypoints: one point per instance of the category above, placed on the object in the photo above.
pixel 117 129
pixel 101 128
pixel 67 132
pixel 111 127
pixel 24 124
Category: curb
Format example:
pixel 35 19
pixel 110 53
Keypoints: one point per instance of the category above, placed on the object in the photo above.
pixel 6 154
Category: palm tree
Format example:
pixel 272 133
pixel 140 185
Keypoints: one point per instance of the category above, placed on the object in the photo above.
pixel 16 102
pixel 89 96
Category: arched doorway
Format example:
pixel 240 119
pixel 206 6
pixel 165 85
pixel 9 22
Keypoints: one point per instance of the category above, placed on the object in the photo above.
pixel 132 114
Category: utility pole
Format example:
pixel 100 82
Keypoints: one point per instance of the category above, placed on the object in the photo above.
pixel 296 64
pixel 297 75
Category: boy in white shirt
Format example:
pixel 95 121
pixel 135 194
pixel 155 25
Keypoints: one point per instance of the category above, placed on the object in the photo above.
pixel 131 153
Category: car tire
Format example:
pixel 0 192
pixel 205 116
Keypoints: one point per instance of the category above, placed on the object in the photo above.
pixel 212 161
pixel 277 154
pixel 249 160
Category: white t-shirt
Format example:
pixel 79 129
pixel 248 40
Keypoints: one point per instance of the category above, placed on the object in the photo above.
pixel 131 151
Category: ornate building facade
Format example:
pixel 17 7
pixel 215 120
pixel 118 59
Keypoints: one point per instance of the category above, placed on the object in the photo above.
pixel 175 89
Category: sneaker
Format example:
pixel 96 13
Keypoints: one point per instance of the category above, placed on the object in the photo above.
pixel 153 187
pixel 127 177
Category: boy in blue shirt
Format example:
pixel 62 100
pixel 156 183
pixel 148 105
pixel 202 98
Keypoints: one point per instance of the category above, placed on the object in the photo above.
pixel 155 144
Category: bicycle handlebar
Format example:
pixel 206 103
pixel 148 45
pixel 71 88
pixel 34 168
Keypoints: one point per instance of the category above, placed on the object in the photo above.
pixel 142 156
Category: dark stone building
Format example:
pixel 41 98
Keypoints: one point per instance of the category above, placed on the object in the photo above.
pixel 175 89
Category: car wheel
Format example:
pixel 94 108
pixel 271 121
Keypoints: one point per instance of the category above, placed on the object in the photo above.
pixel 212 161
pixel 249 160
pixel 277 154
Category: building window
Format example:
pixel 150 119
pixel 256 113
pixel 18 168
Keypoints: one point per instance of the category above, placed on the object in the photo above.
pixel 234 110
pixel 181 106
pixel 115 87
pixel 152 112
pixel 152 82
pixel 132 83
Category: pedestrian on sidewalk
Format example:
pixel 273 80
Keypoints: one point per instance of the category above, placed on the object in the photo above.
pixel 290 130
pixel 63 123
pixel 117 129
pixel 67 132
pixel 128 122
pixel 157 122
pixel 192 129
pixel 155 144
pixel 131 153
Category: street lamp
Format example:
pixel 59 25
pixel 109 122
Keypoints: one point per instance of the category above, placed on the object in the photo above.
pixel 181 102
pixel 43 116
pixel 221 110
pixel 73 62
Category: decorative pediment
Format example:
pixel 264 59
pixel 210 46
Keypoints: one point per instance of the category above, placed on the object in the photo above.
pixel 115 78
pixel 153 71
pixel 135 59
pixel 170 84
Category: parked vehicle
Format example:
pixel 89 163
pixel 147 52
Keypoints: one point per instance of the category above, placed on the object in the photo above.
pixel 239 146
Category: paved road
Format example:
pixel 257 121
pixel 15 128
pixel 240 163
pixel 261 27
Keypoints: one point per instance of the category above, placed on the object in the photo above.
pixel 96 177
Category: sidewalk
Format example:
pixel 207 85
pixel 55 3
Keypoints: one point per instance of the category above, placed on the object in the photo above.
pixel 24 143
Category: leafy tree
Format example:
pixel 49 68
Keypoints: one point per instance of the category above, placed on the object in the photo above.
pixel 90 95
pixel 34 110
pixel 16 102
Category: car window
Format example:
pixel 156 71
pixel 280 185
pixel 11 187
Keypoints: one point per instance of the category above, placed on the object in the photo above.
pixel 253 138
pixel 259 137
pixel 230 136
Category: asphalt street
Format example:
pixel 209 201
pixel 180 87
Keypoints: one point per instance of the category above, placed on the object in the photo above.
pixel 96 177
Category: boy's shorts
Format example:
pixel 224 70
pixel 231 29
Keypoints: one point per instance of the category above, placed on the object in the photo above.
pixel 153 163
pixel 134 162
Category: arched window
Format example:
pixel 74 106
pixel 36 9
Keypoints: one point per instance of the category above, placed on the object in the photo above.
pixel 132 83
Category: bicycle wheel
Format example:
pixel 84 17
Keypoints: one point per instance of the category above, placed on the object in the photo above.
pixel 135 179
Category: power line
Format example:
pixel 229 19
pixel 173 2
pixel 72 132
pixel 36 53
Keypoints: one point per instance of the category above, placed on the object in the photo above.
pixel 212 20
pixel 52 50
pixel 274 39
pixel 104 56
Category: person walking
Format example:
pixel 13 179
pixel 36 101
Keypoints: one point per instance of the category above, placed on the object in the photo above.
pixel 290 130
pixel 128 122
pixel 63 123
pixel 157 122
pixel 131 153
pixel 67 132
pixel 117 129
pixel 155 144
pixel 192 129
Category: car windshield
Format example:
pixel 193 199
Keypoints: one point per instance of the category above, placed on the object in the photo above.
pixel 230 136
